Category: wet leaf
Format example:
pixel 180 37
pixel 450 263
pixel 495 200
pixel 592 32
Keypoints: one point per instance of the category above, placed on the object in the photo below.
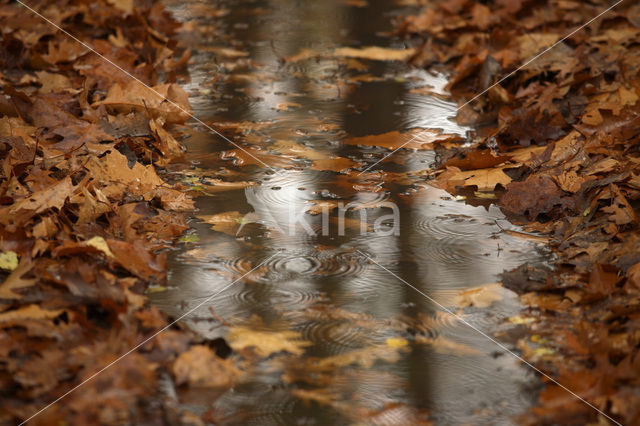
pixel 396 342
pixel 480 297
pixel 100 244
pixel 445 346
pixel 414 139
pixel 27 313
pixel 541 195
pixel 15 281
pixel 365 357
pixel 200 367
pixel 228 222
pixel 375 53
pixel 168 101
pixel 9 260
pixel 266 343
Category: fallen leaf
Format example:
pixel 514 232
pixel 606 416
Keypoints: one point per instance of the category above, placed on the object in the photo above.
pixel 100 244
pixel 15 281
pixel 8 260
pixel 168 101
pixel 266 343
pixel 27 313
pixel 396 342
pixel 480 297
pixel 375 53
pixel 200 367
pixel 228 222
pixel 416 139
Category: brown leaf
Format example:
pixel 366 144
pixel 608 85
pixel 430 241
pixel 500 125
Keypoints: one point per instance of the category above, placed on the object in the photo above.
pixel 375 53
pixel 168 101
pixel 135 258
pixel 52 197
pixel 200 367
pixel 415 139
pixel 115 175
pixel 15 281
pixel 538 194
pixel 475 159
pixel 27 313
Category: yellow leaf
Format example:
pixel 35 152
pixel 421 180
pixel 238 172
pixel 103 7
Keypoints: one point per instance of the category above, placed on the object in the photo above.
pixel 396 342
pixel 266 343
pixel 100 244
pixel 480 297
pixel 9 260
pixel 518 320
pixel 543 351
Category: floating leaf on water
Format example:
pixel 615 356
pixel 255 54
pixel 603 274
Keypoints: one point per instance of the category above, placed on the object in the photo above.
pixel 265 343
pixel 200 367
pixel 540 352
pixel 519 320
pixel 365 357
pixel 375 53
pixel 157 289
pixel 415 139
pixel 227 222
pixel 319 206
pixel 191 238
pixel 445 346
pixel 396 342
pixel 284 106
pixel 536 338
pixel 336 164
pixel 480 297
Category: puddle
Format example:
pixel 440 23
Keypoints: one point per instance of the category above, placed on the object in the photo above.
pixel 313 274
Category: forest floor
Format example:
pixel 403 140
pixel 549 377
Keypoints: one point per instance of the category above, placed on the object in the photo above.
pixel 86 213
pixel 558 141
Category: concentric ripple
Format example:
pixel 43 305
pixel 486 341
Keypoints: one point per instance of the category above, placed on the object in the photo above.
pixel 448 239
pixel 457 239
pixel 318 263
pixel 335 336
pixel 279 296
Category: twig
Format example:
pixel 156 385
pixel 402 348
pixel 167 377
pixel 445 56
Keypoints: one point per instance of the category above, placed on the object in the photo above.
pixel 522 234
pixel 218 317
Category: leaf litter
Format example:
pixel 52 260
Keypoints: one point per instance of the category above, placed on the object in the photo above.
pixel 85 214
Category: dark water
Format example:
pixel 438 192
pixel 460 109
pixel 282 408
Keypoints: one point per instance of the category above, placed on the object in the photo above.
pixel 321 284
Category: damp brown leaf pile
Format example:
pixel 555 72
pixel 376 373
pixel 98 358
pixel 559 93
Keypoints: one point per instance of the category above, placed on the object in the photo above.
pixel 85 214
pixel 558 141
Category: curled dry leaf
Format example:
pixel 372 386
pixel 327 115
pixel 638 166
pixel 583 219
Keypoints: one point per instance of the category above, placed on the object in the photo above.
pixel 168 101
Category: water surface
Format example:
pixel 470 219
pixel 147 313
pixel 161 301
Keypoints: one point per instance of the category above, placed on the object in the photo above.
pixel 322 284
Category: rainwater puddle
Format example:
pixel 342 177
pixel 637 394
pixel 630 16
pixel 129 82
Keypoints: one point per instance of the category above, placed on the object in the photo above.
pixel 363 346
